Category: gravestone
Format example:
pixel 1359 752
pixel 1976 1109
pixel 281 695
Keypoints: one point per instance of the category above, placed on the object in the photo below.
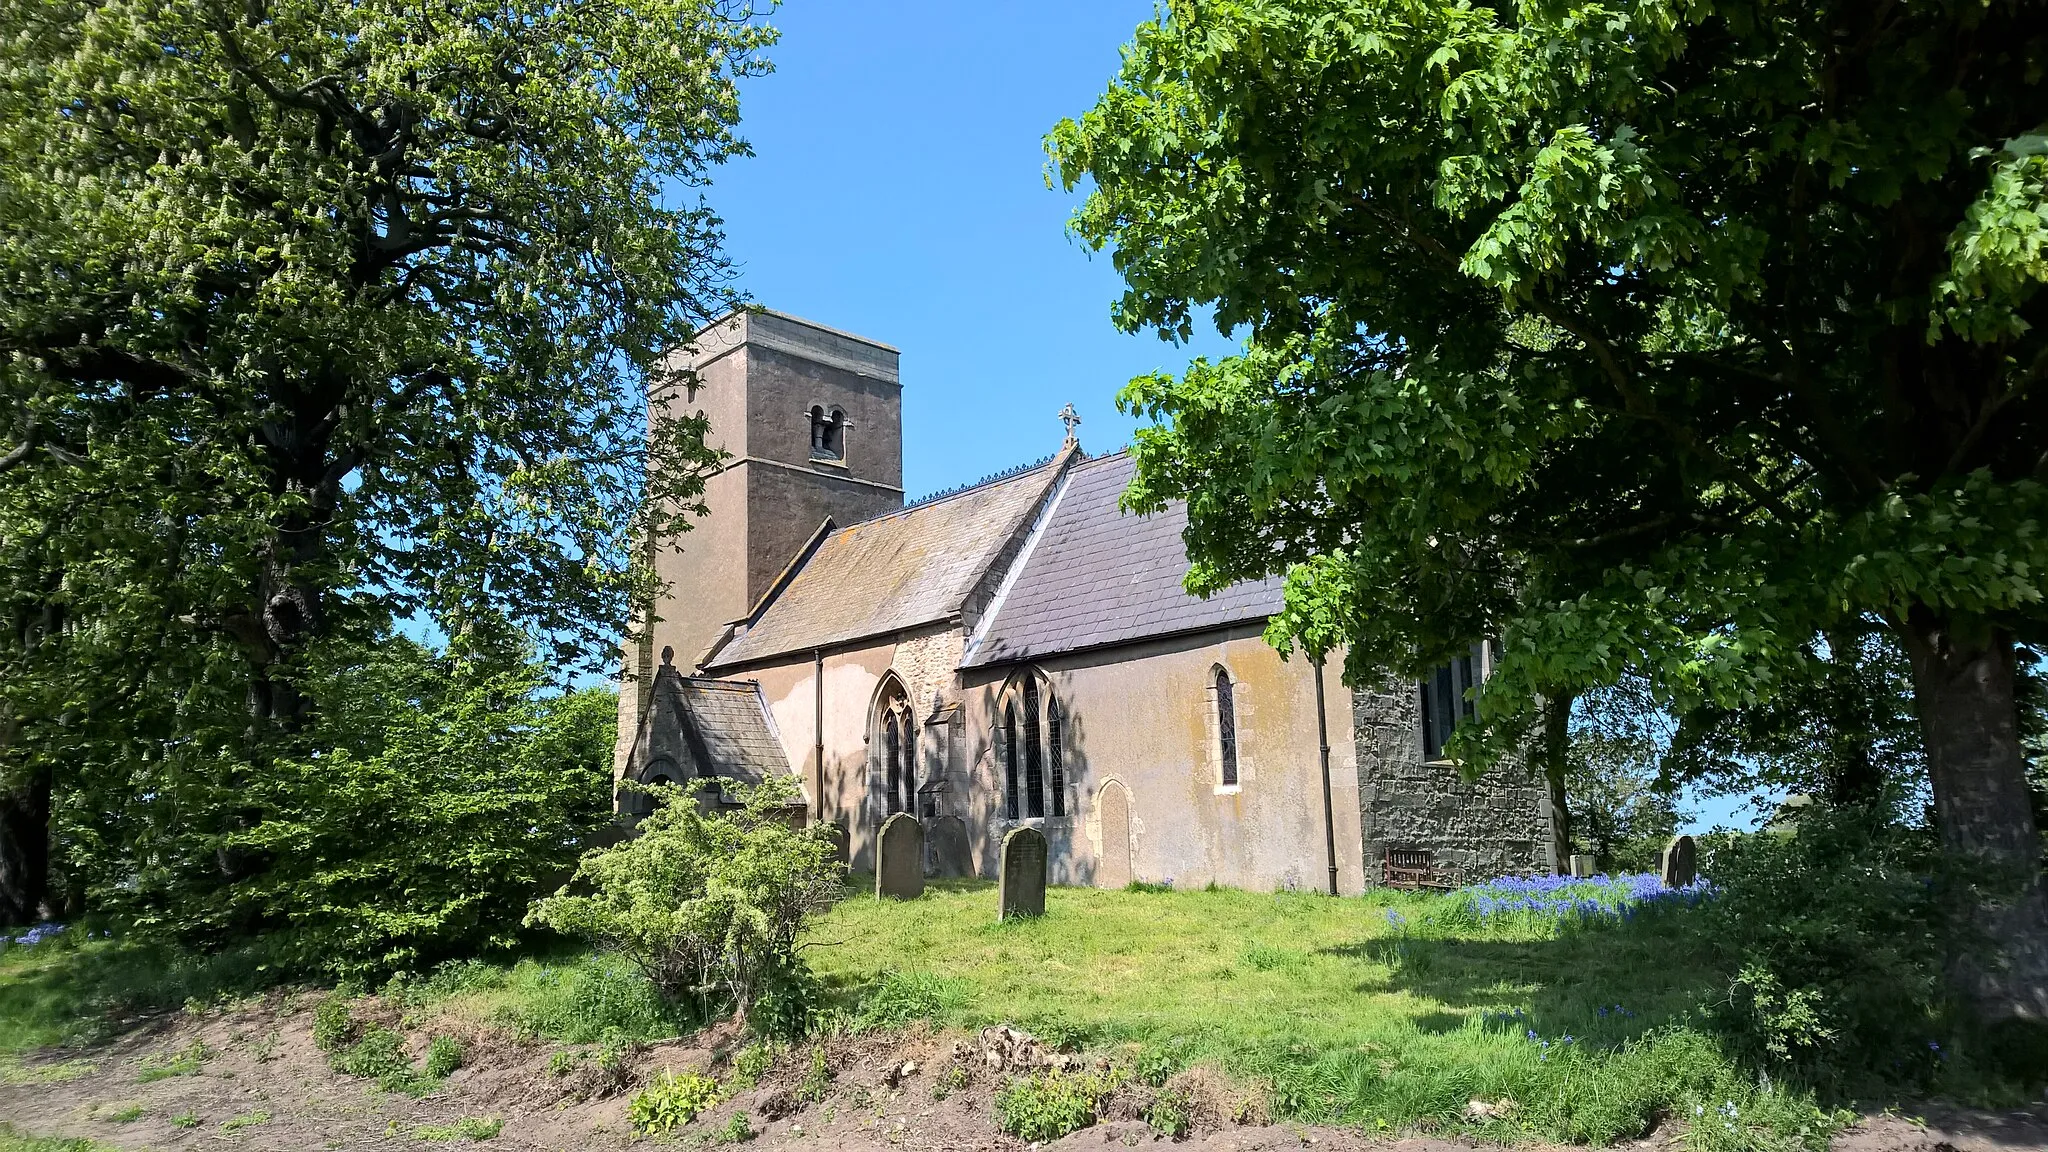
pixel 1681 862
pixel 946 851
pixel 1113 863
pixel 1583 866
pixel 1022 888
pixel 899 858
pixel 835 832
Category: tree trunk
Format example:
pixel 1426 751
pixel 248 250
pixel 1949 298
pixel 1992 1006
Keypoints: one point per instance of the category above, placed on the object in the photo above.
pixel 1557 721
pixel 25 849
pixel 1854 775
pixel 1963 690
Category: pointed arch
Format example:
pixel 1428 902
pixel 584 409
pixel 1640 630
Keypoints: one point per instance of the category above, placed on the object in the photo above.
pixel 893 736
pixel 1032 734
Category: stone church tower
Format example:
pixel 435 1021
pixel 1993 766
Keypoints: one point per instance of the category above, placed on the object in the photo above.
pixel 812 421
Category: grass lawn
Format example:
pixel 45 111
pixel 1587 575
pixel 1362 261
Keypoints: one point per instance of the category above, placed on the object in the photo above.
pixel 1390 1011
pixel 1242 972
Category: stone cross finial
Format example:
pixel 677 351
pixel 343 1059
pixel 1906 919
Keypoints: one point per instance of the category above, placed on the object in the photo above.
pixel 1071 419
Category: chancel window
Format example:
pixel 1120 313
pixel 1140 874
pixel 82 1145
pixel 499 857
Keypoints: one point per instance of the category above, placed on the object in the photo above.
pixel 828 433
pixel 1031 751
pixel 1226 727
pixel 1446 698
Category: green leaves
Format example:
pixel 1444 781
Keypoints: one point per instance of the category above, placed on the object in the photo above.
pixel 436 797
pixel 1650 338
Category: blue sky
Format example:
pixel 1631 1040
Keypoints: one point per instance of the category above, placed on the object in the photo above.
pixel 898 191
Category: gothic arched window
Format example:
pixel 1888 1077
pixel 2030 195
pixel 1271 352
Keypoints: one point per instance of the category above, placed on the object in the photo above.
pixel 1010 761
pixel 1226 726
pixel 892 738
pixel 1034 767
pixel 896 738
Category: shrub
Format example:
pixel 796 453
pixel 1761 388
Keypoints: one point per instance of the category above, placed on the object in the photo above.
pixel 787 1004
pixel 1833 936
pixel 333 1027
pixel 737 1130
pixel 751 1063
pixel 444 1055
pixel 705 904
pixel 1169 1114
pixel 671 1102
pixel 817 1078
pixel 1047 1105
pixel 380 1053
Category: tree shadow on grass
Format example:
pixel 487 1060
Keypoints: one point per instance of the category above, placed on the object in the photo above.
pixel 1602 983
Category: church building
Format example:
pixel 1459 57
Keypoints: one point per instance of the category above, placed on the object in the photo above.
pixel 1019 651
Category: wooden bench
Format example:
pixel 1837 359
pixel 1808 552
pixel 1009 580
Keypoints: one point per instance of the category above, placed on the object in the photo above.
pixel 1413 868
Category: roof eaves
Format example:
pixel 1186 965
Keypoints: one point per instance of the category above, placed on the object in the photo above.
pixel 841 644
pixel 1122 642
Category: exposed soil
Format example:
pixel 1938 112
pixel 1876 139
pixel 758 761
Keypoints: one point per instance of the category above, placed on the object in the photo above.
pixel 264 1085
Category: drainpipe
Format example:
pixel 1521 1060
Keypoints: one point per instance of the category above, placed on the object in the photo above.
pixel 818 724
pixel 1329 813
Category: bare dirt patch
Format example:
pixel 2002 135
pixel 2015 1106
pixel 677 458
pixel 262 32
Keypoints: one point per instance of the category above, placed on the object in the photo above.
pixel 251 1077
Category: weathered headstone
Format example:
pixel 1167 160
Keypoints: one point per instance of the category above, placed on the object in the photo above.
pixel 947 852
pixel 1584 866
pixel 834 831
pixel 1021 892
pixel 899 858
pixel 1681 862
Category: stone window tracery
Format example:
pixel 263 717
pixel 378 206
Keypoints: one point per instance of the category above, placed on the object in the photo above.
pixel 1030 742
pixel 898 743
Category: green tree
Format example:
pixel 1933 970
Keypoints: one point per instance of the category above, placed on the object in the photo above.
pixel 317 314
pixel 1624 806
pixel 1660 336
pixel 444 791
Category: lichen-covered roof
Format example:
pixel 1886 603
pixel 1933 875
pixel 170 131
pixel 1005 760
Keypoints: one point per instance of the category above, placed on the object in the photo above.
pixel 897 571
pixel 728 730
pixel 1095 575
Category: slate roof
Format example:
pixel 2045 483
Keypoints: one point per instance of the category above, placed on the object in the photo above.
pixel 726 725
pixel 907 568
pixel 1096 576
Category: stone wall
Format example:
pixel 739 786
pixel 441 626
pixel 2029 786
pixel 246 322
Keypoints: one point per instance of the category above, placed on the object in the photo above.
pixel 1497 825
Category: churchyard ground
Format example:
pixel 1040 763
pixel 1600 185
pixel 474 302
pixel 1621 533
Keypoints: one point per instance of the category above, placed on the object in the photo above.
pixel 1242 1020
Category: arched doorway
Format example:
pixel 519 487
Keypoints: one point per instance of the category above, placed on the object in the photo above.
pixel 1113 812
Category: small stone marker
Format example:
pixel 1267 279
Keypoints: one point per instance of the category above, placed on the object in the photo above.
pixel 947 852
pixel 899 858
pixel 1681 862
pixel 1583 866
pixel 1022 889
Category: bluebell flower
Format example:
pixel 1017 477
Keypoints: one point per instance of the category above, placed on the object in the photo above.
pixel 38 934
